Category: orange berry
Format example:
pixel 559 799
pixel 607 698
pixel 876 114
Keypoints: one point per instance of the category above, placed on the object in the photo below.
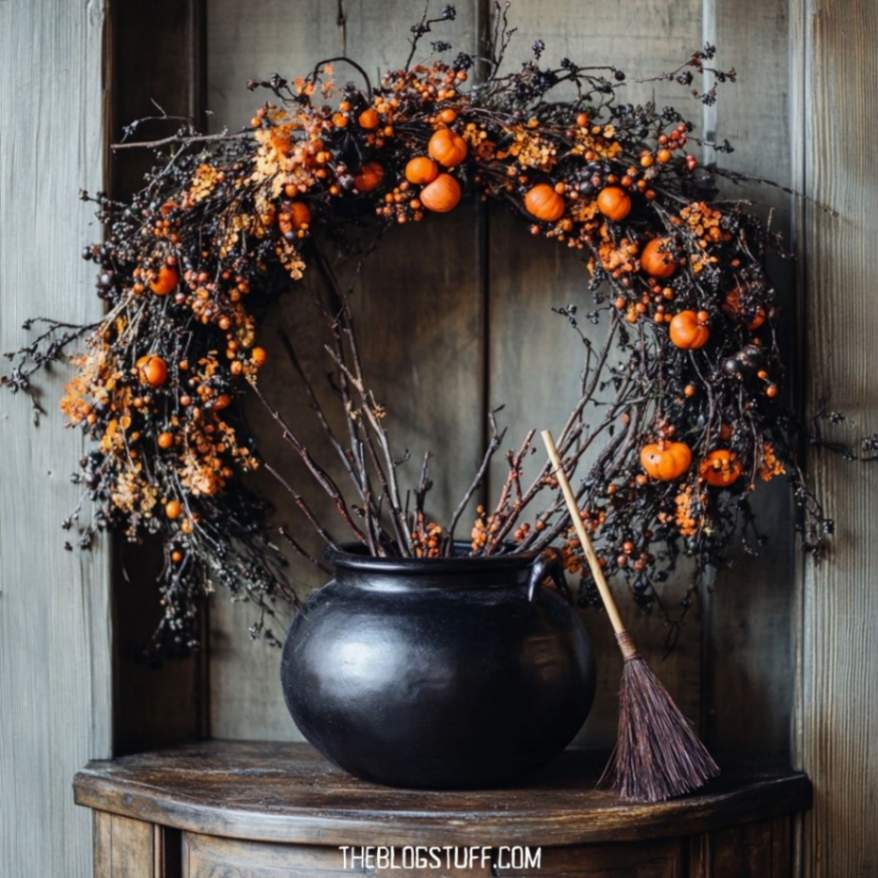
pixel 369 119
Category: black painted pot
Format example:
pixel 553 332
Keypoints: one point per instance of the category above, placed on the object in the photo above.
pixel 446 673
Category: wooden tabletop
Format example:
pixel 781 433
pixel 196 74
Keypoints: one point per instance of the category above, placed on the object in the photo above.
pixel 287 792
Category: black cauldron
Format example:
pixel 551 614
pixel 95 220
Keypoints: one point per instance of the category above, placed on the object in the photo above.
pixel 439 673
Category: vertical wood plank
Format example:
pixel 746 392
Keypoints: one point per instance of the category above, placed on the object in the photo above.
pixel 55 677
pixel 748 653
pixel 530 348
pixel 751 850
pixel 418 306
pixel 102 829
pixel 837 735
pixel 154 54
pixel 132 848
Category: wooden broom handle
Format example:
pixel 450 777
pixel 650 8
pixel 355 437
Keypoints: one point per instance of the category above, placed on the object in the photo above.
pixel 625 642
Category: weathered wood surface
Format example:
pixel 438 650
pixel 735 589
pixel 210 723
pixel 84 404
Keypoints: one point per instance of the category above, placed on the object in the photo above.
pixel 748 612
pixel 287 792
pixel 751 850
pixel 202 854
pixel 837 711
pixel 125 847
pixel 418 305
pixel 55 675
pixel 153 56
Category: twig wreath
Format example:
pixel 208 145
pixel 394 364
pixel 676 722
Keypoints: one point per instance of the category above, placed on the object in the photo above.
pixel 682 392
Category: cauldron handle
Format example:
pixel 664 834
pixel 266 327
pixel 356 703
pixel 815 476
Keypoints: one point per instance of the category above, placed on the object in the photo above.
pixel 547 564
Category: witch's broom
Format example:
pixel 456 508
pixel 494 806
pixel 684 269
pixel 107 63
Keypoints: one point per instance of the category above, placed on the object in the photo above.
pixel 657 754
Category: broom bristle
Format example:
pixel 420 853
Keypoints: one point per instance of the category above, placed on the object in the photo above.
pixel 658 755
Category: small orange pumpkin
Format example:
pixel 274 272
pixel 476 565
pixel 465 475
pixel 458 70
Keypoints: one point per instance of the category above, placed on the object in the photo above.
pixel 614 203
pixel 421 170
pixel 442 195
pixel 732 306
pixel 370 177
pixel 543 202
pixel 152 370
pixel 166 281
pixel 447 148
pixel 689 330
pixel 665 461
pixel 369 119
pixel 165 440
pixel 656 261
pixel 720 468
pixel 173 509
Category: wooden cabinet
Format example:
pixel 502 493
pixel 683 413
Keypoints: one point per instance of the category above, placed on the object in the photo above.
pixel 267 810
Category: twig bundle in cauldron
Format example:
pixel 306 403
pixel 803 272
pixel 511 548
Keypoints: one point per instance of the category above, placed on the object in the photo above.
pixel 679 403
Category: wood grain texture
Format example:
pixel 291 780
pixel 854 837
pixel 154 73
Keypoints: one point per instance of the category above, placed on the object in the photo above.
pixel 125 847
pixel 55 677
pixel 418 306
pixel 202 854
pixel 837 714
pixel 531 348
pixel 152 55
pixel 747 658
pixel 286 792
pixel 751 850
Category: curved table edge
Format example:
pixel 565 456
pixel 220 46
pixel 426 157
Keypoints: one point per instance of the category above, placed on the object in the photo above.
pixel 760 799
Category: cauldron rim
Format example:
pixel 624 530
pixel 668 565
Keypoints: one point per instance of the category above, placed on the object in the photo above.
pixel 353 557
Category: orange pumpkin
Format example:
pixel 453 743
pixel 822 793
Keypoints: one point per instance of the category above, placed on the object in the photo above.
pixel 665 461
pixel 732 307
pixel 689 330
pixel 720 468
pixel 165 440
pixel 259 356
pixel 421 170
pixel 543 202
pixel 614 203
pixel 152 370
pixel 447 148
pixel 442 195
pixel 166 281
pixel 369 119
pixel 173 508
pixel 370 177
pixel 656 261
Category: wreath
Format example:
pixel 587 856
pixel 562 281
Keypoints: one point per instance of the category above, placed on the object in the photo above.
pixel 681 398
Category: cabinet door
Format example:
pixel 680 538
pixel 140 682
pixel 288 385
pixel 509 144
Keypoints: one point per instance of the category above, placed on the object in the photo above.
pixel 206 856
pixel 754 850
pixel 129 848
